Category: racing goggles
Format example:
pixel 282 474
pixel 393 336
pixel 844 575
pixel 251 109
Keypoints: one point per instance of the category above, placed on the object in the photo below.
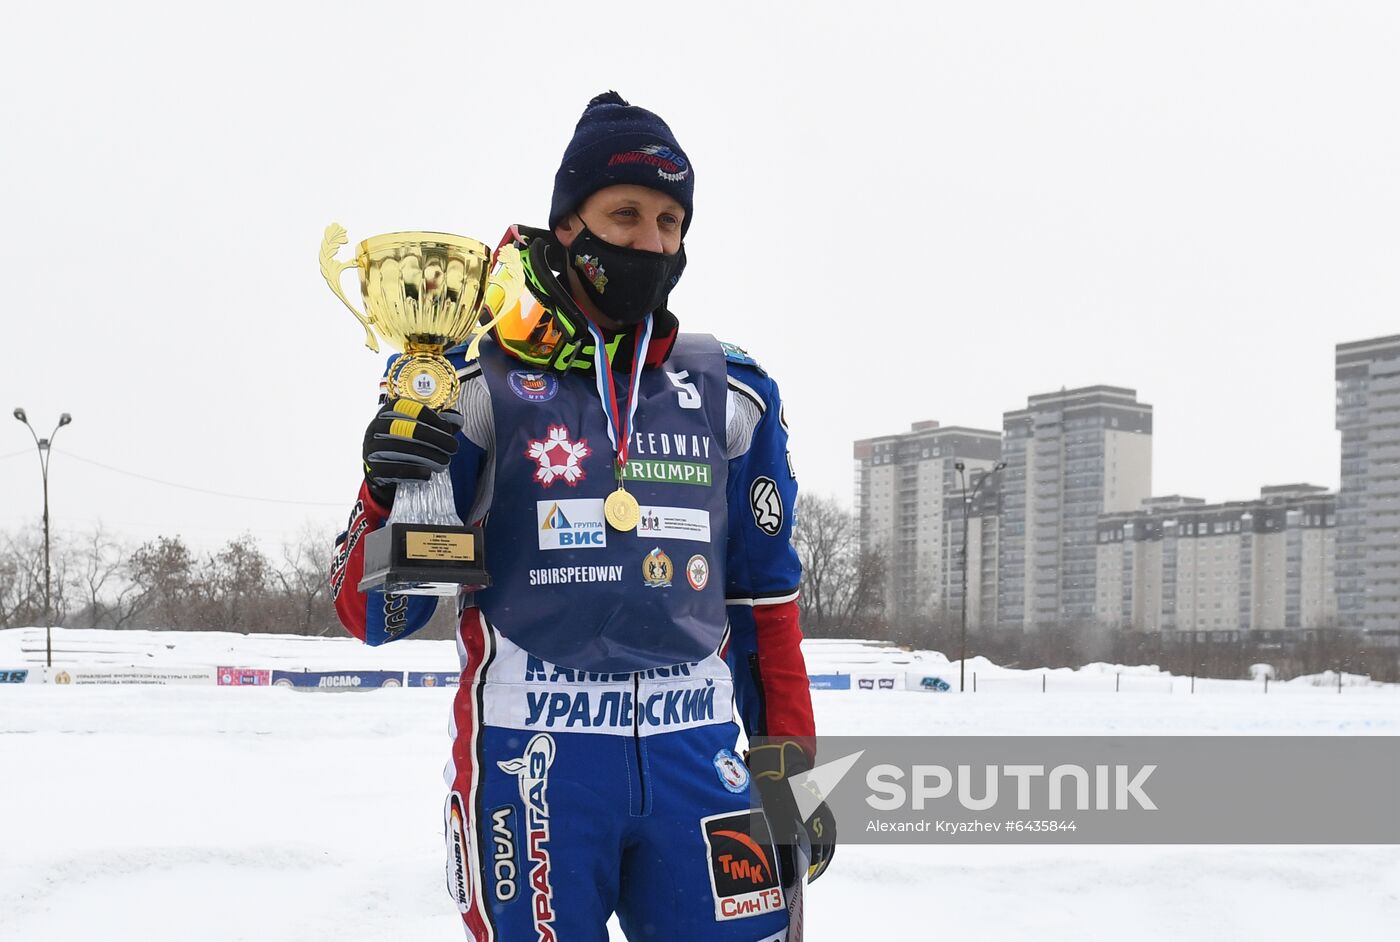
pixel 529 332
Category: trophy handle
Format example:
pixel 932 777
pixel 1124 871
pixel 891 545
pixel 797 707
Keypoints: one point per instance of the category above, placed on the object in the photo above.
pixel 502 291
pixel 331 270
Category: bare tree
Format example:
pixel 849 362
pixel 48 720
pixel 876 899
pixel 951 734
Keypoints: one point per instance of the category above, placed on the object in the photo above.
pixel 842 589
pixel 235 583
pixel 163 584
pixel 822 535
pixel 164 572
pixel 100 577
pixel 864 609
pixel 302 579
pixel 22 579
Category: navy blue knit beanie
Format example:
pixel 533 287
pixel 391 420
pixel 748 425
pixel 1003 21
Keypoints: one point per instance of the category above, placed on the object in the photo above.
pixel 615 142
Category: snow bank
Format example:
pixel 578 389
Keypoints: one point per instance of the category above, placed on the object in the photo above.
pixel 883 665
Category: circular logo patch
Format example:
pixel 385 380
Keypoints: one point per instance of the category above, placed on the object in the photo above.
pixel 697 572
pixel 732 772
pixel 424 384
pixel 533 386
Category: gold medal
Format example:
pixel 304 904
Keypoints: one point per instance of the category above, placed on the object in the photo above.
pixel 622 510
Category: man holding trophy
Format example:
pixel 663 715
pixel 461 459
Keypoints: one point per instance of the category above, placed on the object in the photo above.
pixel 610 501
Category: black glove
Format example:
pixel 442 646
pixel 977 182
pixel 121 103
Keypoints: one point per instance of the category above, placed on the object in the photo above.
pixel 407 441
pixel 772 765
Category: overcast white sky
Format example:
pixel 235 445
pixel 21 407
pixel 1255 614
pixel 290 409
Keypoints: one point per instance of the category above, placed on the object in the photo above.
pixel 905 211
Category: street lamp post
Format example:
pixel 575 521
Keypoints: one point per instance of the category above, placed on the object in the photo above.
pixel 967 500
pixel 44 444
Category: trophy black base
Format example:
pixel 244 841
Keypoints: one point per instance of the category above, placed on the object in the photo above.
pixel 424 559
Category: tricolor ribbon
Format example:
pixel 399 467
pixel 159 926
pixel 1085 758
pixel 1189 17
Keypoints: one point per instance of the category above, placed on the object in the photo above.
pixel 618 432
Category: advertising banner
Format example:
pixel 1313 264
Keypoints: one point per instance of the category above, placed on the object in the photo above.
pixel 244 677
pixel 14 675
pixel 929 683
pixel 879 681
pixel 337 680
pixel 829 681
pixel 433 678
pixel 129 676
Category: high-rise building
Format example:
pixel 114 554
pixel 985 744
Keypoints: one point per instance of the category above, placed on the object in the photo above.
pixel 1368 504
pixel 1070 456
pixel 1182 565
pixel 902 482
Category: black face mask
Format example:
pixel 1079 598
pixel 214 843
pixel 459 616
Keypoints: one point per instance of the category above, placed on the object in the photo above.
pixel 625 284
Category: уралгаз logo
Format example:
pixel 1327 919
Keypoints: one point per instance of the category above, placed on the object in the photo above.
pixel 670 166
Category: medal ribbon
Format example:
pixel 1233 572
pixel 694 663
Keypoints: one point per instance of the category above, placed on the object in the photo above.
pixel 618 432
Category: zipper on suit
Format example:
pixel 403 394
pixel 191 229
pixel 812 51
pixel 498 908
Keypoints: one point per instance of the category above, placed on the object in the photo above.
pixel 643 807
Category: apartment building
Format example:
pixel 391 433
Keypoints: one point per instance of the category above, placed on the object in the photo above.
pixel 1180 564
pixel 902 485
pixel 1368 504
pixel 1070 456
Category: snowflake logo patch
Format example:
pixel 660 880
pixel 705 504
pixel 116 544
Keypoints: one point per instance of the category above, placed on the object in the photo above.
pixel 556 457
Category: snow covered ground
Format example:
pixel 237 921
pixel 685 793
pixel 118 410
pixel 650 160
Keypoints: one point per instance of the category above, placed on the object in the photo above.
pixel 209 813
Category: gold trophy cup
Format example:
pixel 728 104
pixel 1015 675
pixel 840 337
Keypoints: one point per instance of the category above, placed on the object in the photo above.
pixel 425 292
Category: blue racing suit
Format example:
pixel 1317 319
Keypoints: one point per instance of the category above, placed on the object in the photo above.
pixel 605 673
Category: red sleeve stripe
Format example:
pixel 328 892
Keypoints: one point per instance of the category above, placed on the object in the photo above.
pixel 348 564
pixel 787 697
